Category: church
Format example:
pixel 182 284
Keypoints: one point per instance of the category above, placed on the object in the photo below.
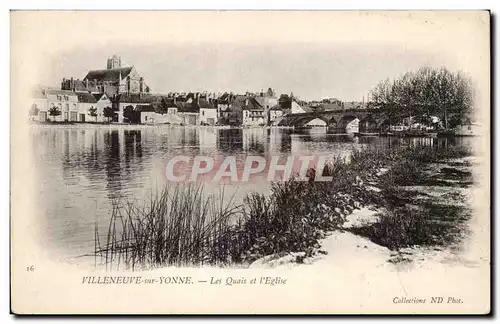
pixel 112 81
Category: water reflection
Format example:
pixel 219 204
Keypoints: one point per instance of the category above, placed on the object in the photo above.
pixel 82 172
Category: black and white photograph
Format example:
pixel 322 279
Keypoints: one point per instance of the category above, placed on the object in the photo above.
pixel 190 162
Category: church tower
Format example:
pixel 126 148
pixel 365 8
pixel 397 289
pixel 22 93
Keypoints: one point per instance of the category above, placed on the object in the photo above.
pixel 115 62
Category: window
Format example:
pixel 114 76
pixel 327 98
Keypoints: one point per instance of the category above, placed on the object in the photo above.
pixel 58 97
pixel 203 112
pixel 145 117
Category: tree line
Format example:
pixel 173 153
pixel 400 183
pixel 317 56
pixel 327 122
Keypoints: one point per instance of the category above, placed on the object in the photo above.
pixel 425 93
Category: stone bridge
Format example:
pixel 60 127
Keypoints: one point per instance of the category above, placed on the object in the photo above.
pixel 337 120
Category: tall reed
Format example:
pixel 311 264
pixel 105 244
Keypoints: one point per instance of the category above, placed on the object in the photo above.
pixel 178 226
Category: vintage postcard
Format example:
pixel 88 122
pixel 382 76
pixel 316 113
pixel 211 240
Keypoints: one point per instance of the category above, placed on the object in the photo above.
pixel 250 162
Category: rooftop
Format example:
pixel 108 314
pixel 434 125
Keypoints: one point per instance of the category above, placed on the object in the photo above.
pixel 108 74
pixel 60 92
pixel 85 97
pixel 139 98
pixel 98 96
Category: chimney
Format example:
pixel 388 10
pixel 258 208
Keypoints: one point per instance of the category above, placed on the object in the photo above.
pixel 175 99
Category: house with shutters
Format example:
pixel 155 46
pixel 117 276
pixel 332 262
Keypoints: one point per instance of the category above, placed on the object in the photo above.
pixel 66 102
pixel 72 106
pixel 86 102
pixel 208 112
pixel 253 113
pixel 274 114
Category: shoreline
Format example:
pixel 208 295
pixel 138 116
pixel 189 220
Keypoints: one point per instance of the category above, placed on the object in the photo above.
pixel 345 217
pixel 162 126
pixel 343 243
pixel 146 126
pixel 113 125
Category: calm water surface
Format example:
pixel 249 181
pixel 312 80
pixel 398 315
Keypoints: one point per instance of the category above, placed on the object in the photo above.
pixel 82 171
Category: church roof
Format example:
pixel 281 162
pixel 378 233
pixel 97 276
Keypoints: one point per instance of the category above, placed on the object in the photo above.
pixel 109 74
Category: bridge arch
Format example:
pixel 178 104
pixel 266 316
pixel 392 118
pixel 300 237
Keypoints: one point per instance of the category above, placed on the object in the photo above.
pixel 302 120
pixel 339 121
pixel 347 124
pixel 368 124
pixel 332 123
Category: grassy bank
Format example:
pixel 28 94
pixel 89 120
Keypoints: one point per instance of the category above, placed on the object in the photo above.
pixel 182 226
pixel 414 218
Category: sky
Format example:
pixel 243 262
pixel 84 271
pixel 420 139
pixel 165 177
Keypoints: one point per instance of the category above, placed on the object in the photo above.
pixel 315 55
pixel 310 71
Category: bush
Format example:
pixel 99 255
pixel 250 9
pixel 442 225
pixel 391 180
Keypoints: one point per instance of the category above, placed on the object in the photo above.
pixel 429 225
pixel 399 229
pixel 182 226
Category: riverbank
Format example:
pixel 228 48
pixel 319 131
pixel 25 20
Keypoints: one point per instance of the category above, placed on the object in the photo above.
pixel 375 236
pixel 181 228
pixel 114 125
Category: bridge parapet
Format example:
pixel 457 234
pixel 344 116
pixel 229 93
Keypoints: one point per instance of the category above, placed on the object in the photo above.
pixel 370 119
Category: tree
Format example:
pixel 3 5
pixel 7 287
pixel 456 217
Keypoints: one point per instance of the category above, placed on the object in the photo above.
pixel 129 113
pixel 34 111
pixel 54 112
pixel 108 113
pixel 93 112
pixel 285 102
pixel 425 93
pixel 161 107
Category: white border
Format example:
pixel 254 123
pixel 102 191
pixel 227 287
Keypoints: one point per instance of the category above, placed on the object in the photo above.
pixel 190 5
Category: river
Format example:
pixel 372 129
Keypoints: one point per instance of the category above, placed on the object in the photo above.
pixel 83 170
